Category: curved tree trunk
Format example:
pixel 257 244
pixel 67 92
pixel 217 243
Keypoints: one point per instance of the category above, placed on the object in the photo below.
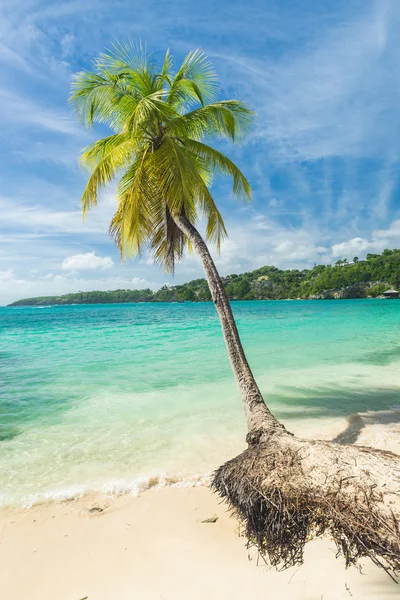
pixel 291 490
pixel 259 418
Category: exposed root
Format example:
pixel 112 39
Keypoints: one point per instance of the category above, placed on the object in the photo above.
pixel 287 491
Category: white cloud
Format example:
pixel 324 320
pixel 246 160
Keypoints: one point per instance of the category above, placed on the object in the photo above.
pixel 274 203
pixel 82 262
pixel 7 275
pixel 147 260
pixel 352 247
pixel 140 283
pixel 392 233
pixel 380 239
pixel 291 250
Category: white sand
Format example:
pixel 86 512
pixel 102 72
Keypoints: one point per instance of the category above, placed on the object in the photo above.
pixel 156 546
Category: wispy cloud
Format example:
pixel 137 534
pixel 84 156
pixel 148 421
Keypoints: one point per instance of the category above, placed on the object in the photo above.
pixel 14 108
pixel 86 261
pixel 334 97
pixel 49 221
pixel 10 57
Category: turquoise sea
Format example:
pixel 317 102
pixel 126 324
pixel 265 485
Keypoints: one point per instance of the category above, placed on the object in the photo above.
pixel 121 397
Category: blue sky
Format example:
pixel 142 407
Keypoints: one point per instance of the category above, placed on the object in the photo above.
pixel 323 78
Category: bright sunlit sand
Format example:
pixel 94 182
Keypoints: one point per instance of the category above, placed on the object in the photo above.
pixel 156 546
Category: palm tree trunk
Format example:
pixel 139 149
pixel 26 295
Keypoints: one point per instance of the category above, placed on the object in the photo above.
pixel 259 419
pixel 290 490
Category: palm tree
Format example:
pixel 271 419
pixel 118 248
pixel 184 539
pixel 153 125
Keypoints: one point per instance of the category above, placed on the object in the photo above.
pixel 284 488
pixel 165 170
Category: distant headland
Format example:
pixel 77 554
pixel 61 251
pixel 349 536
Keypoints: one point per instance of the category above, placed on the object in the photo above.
pixel 345 279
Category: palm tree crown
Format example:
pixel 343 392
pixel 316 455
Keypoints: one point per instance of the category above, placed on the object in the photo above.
pixel 159 120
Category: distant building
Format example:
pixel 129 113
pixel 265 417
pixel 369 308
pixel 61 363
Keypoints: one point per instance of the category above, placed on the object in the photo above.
pixel 391 294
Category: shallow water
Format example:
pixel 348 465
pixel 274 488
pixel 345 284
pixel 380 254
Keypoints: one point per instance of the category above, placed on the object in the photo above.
pixel 112 397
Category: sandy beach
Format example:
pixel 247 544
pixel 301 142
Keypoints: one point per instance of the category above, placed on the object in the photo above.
pixel 157 546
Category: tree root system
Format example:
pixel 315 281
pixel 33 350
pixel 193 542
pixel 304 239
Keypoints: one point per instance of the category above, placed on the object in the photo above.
pixel 287 491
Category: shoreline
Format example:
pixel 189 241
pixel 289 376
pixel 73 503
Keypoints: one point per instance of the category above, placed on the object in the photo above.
pixel 157 545
pixel 379 429
pixel 50 305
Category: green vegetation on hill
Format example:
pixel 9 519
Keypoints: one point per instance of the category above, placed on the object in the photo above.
pixel 369 277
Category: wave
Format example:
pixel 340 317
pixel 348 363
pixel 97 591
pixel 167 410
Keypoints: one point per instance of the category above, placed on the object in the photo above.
pixel 379 429
pixel 40 307
pixel 111 490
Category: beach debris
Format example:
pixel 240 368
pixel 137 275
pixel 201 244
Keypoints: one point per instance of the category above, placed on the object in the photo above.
pixel 95 509
pixel 212 519
pixel 348 589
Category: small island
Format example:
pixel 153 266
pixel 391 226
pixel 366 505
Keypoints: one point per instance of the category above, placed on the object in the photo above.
pixel 371 277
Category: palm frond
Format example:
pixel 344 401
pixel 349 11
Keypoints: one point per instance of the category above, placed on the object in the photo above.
pixel 195 81
pixel 123 56
pixel 167 241
pixel 164 77
pixel 149 113
pixel 182 180
pixel 230 119
pixel 158 146
pixel 104 158
pixel 131 224
pixel 103 99
pixel 218 162
pixel 131 63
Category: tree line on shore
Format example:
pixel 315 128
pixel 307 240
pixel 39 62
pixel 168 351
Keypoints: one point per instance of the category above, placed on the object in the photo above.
pixel 372 276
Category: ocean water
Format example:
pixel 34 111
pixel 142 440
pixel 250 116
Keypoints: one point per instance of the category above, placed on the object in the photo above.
pixel 122 397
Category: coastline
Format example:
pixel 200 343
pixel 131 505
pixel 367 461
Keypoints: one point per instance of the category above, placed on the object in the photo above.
pixel 156 545
pixel 18 304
